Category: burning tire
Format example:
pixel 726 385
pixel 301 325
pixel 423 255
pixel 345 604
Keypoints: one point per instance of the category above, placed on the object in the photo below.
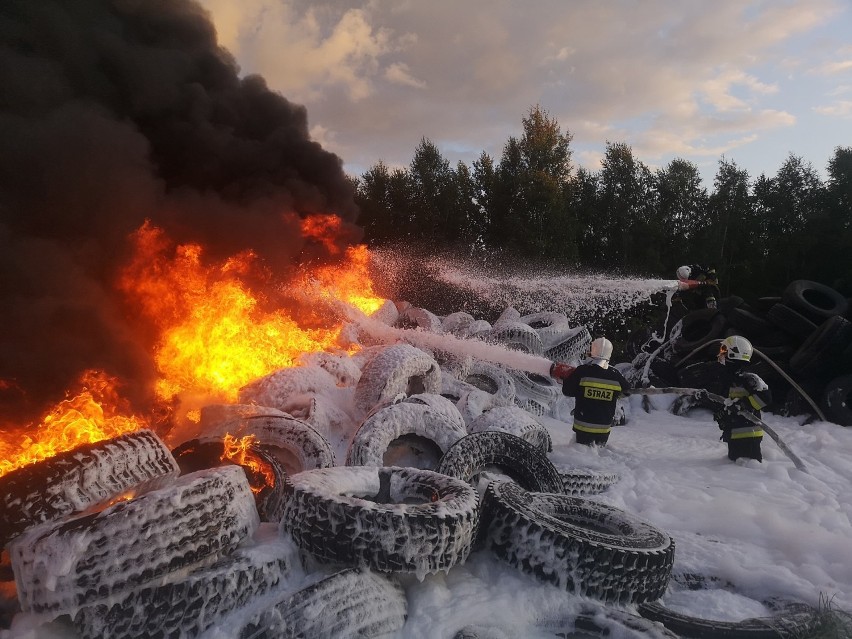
pixel 581 546
pixel 75 480
pixel 297 445
pixel 792 620
pixel 552 328
pixel 517 336
pixel 439 423
pixel 131 544
pixel 186 608
pixel 572 348
pixel 814 300
pixel 515 421
pixel 350 604
pixel 578 482
pixel 400 369
pixel 389 519
pixel 520 460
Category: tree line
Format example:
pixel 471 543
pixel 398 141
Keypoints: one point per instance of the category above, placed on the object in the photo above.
pixel 533 203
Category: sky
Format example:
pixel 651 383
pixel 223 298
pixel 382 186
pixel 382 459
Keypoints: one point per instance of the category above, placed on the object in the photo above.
pixel 752 531
pixel 751 81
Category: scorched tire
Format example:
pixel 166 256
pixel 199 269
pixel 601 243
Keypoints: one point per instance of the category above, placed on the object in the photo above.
pixel 584 547
pixel 189 606
pixel 389 519
pixel 400 369
pixel 520 460
pixel 794 620
pixel 697 328
pixel 350 604
pixel 821 352
pixel 64 565
pixel 74 480
pixel 516 421
pixel 791 321
pixel 578 482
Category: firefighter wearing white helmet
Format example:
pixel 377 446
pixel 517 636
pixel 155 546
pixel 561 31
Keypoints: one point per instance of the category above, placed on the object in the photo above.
pixel 701 283
pixel 596 387
pixel 747 393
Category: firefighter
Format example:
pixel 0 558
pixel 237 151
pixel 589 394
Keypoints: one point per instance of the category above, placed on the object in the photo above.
pixel 702 283
pixel 747 394
pixel 596 387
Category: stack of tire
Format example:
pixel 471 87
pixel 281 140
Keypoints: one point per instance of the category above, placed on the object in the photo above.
pixel 806 333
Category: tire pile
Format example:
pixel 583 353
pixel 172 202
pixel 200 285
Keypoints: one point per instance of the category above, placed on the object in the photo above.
pixel 127 538
pixel 803 339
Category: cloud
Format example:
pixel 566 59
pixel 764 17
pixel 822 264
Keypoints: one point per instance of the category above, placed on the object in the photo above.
pixel 840 109
pixel 721 71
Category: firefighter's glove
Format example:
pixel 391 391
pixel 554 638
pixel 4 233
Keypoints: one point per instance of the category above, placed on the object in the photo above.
pixel 560 371
pixel 731 408
pixel 700 395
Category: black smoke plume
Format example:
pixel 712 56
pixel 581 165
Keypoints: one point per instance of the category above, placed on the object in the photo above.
pixel 113 112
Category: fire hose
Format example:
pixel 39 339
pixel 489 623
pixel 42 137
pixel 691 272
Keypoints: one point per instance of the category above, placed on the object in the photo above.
pixel 718 399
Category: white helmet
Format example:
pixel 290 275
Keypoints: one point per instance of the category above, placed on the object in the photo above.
pixel 683 272
pixel 735 348
pixel 601 350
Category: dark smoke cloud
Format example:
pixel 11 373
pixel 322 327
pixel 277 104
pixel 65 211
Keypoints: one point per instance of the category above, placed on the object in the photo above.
pixel 113 112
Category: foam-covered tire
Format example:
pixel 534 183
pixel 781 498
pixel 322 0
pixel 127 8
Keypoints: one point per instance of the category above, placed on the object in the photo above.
pixel 553 328
pixel 520 460
pixel 75 480
pixel 572 348
pixel 578 482
pixel 389 519
pixel 697 328
pixel 821 352
pixel 187 607
pixel 494 380
pixel 400 369
pixel 793 620
pixel 298 445
pixel 517 336
pixel 814 300
pixel 544 390
pixel 791 321
pixel 837 400
pixel 440 424
pixel 457 323
pixel 349 604
pixel 516 421
pixel 581 546
pixel 131 544
pixel 414 317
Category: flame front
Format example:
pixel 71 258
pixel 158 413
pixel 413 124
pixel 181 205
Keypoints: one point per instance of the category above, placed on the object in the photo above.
pixel 216 335
pixel 239 451
pixel 92 415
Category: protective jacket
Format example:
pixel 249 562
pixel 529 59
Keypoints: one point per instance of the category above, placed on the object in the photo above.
pixel 748 394
pixel 596 390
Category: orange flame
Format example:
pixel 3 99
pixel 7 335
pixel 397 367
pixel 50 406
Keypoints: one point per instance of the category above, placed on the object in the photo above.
pixel 91 415
pixel 238 450
pixel 214 336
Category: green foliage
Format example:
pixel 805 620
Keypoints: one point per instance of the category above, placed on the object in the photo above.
pixel 533 204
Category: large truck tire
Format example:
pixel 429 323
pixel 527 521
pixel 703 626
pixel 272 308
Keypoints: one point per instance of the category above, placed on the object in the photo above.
pixel 64 565
pixel 584 547
pixel 400 369
pixel 349 604
pixel 75 480
pixel 402 520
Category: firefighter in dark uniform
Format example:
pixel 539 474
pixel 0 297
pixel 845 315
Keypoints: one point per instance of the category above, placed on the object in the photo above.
pixel 596 387
pixel 702 284
pixel 747 393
